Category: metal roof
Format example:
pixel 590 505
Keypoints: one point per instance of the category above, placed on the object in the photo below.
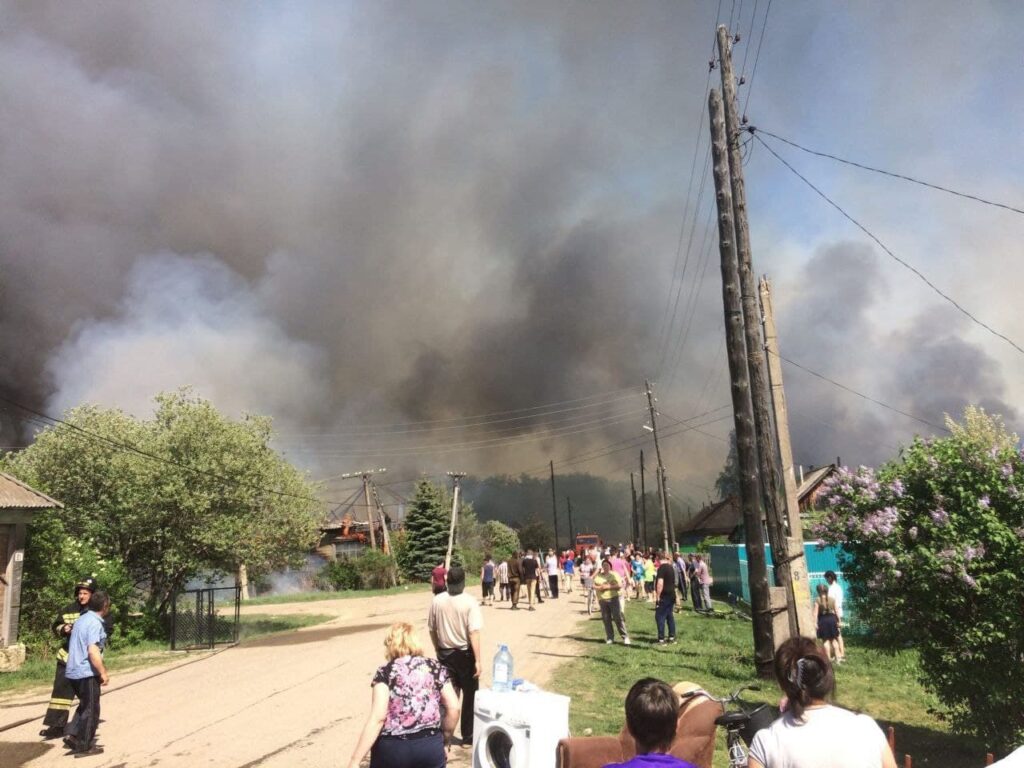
pixel 14 494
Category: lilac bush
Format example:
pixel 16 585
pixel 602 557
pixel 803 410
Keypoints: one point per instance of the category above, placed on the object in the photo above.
pixel 935 543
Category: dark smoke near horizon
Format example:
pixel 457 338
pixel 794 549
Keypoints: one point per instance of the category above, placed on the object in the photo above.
pixel 399 212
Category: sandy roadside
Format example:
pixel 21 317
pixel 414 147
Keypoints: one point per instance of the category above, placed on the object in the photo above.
pixel 293 699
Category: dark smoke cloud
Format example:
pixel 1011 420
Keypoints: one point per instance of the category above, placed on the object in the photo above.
pixel 390 212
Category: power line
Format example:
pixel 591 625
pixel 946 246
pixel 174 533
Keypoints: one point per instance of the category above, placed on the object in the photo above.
pixel 500 413
pixel 852 391
pixel 757 58
pixel 891 174
pixel 885 248
pixel 50 421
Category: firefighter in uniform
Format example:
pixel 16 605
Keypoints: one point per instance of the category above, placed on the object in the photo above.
pixel 60 700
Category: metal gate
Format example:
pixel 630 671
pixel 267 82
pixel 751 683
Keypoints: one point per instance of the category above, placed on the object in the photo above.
pixel 203 618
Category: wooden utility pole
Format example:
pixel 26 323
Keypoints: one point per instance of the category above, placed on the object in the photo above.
pixel 795 532
pixel 554 504
pixel 662 490
pixel 385 534
pixel 572 531
pixel 739 376
pixel 764 433
pixel 456 477
pixel 643 501
pixel 634 528
pixel 365 476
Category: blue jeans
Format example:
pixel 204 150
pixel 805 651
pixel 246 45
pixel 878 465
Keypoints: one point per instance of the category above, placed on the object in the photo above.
pixel 415 752
pixel 663 613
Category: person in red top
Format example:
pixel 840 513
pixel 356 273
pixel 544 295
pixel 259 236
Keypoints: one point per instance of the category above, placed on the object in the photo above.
pixel 438 582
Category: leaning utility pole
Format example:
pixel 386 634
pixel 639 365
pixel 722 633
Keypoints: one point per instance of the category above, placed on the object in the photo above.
pixel 764 432
pixel 365 476
pixel 662 491
pixel 764 646
pixel 643 500
pixel 554 504
pixel 385 535
pixel 456 477
pixel 795 533
pixel 634 528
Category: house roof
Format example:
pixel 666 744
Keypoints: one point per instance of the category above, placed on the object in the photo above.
pixel 813 479
pixel 719 519
pixel 15 494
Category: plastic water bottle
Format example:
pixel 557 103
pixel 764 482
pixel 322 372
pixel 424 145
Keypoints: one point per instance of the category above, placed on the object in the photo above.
pixel 501 672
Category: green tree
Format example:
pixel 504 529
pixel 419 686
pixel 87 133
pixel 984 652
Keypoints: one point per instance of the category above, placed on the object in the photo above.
pixel 200 494
pixel 426 532
pixel 728 481
pixel 499 540
pixel 935 541
pixel 536 534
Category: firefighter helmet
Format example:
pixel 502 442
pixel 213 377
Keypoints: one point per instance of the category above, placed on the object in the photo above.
pixel 88 583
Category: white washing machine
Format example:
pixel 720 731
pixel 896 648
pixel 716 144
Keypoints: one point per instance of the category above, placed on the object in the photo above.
pixel 518 730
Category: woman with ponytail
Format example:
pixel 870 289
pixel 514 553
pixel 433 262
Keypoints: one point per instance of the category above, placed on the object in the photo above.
pixel 812 733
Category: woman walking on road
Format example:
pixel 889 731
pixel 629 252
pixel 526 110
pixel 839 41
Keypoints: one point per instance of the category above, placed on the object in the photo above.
pixel 413 711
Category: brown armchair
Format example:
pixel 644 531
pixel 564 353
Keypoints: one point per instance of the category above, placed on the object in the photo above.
pixel 694 742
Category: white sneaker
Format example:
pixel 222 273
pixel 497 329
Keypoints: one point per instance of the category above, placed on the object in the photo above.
pixel 626 641
pixel 608 642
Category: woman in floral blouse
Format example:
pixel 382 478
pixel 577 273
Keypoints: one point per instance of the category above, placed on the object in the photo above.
pixel 413 711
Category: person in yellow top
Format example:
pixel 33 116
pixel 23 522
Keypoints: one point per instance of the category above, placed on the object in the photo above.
pixel 607 584
pixel 650 569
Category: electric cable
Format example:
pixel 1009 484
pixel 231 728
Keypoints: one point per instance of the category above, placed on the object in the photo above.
pixel 888 251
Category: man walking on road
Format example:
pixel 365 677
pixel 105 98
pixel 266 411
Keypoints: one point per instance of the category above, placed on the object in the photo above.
pixel 515 578
pixel 665 598
pixel 530 568
pixel 551 562
pixel 86 673
pixel 503 593
pixel 455 622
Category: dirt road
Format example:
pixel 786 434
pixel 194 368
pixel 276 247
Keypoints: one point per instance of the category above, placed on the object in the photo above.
pixel 292 699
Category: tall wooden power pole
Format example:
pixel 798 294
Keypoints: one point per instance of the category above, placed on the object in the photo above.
pixel 795 533
pixel 662 490
pixel 385 534
pixel 643 501
pixel 739 376
pixel 572 531
pixel 554 504
pixel 764 432
pixel 365 476
pixel 456 478
pixel 634 528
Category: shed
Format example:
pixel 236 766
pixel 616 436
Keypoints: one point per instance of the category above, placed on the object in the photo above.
pixel 722 518
pixel 19 503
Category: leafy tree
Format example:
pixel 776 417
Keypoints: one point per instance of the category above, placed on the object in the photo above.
pixel 201 495
pixel 426 532
pixel 536 534
pixel 935 541
pixel 499 540
pixel 728 481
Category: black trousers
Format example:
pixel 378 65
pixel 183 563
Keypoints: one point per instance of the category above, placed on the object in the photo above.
pixel 553 583
pixel 462 666
pixel 60 700
pixel 87 716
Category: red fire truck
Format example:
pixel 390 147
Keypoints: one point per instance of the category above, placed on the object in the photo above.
pixel 585 541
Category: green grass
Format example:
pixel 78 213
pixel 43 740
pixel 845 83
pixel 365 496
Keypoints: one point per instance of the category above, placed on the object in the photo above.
pixel 38 672
pixel 717 653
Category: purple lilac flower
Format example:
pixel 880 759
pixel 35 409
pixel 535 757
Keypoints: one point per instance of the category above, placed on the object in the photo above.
pixel 973 553
pixel 968 580
pixel 1007 471
pixel 940 516
pixel 984 502
pixel 947 554
pixel 897 574
pixel 896 488
pixel 912 532
pixel 881 522
pixel 886 557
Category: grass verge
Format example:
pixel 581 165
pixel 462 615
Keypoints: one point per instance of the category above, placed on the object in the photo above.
pixel 347 594
pixel 716 652
pixel 36 672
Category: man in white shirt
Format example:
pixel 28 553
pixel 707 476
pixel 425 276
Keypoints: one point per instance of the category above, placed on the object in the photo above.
pixel 551 564
pixel 835 591
pixel 454 623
